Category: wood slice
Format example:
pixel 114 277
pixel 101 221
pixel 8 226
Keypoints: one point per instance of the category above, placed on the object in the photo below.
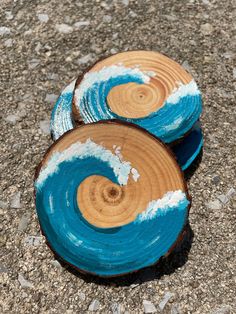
pixel 110 198
pixel 143 87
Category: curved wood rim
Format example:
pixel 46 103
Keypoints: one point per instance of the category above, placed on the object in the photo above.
pixel 181 234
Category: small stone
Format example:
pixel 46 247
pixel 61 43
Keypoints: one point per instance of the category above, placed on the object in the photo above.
pixel 4 31
pixel 214 205
pixel 216 180
pixel 125 2
pixel 53 76
pixel 133 14
pixel 3 269
pixel 43 17
pixel 164 301
pixel 82 296
pixel 113 51
pixel 149 307
pixel 116 308
pixel 225 198
pixel 33 241
pixel 45 127
pixel 51 98
pixel 174 309
pixel 11 118
pixel 234 73
pixel 81 24
pixel 94 306
pixel 32 64
pixel 15 201
pixel 23 282
pixel 8 15
pixel 64 28
pixel 23 224
pixel 187 66
pixel 206 29
pixel 225 309
pixel 85 59
pixel 107 18
pixel 56 264
pixel 8 43
pixel 3 205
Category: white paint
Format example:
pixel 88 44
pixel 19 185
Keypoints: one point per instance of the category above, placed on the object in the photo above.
pixel 104 75
pixel 51 204
pixel 189 89
pixel 174 125
pixel 159 207
pixel 135 174
pixel 80 150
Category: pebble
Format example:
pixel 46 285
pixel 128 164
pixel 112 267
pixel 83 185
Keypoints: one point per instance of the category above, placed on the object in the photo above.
pixel 125 2
pixel 214 205
pixel 56 264
pixel 206 29
pixel 51 98
pixel 164 301
pixel 43 17
pixel 33 63
pixel 225 198
pixel 107 18
pixel 33 241
pixel 113 51
pixel 94 306
pixel 8 43
pixel 15 201
pixel 149 307
pixel 4 31
pixel 64 28
pixel 116 308
pixel 174 309
pixel 85 59
pixel 3 205
pixel 11 118
pixel 225 309
pixel 23 223
pixel 3 269
pixel 8 15
pixel 45 126
pixel 234 73
pixel 23 282
pixel 81 23
pixel 53 76
pixel 82 296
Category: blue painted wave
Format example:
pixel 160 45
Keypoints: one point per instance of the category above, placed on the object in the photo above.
pixel 109 251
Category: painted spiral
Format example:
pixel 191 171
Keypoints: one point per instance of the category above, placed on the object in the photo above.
pixel 142 87
pixel 110 198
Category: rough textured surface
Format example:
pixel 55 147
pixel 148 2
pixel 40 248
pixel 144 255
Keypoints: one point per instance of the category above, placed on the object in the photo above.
pixel 39 55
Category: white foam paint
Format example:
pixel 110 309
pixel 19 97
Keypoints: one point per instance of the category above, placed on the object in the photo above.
pixel 183 90
pixel 51 204
pixel 174 125
pixel 80 150
pixel 161 206
pixel 106 74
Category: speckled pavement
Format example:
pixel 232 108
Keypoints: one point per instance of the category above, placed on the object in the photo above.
pixel 43 45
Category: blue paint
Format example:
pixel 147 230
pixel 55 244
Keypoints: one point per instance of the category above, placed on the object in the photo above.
pixel 105 252
pixel 189 148
pixel 61 117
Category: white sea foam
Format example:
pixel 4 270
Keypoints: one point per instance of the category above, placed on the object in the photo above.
pixel 161 206
pixel 174 125
pixel 183 90
pixel 122 169
pixel 106 74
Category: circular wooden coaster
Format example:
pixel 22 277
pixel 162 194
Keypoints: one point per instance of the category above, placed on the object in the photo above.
pixel 143 87
pixel 110 198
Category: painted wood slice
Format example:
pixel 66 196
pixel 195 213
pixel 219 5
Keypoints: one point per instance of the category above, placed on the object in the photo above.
pixel 110 198
pixel 143 87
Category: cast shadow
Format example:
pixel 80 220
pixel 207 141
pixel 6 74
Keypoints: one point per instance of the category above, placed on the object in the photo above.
pixel 165 266
pixel 189 172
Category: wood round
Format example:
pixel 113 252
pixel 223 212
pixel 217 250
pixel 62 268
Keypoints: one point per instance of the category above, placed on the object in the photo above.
pixel 133 100
pixel 102 185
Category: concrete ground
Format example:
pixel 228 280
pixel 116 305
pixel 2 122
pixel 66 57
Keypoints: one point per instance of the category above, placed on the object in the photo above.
pixel 43 45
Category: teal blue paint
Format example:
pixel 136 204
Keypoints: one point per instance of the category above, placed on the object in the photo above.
pixel 189 148
pixel 105 252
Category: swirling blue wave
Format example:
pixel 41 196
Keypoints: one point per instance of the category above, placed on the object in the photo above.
pixel 101 251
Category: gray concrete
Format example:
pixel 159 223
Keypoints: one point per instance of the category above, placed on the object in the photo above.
pixel 43 45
